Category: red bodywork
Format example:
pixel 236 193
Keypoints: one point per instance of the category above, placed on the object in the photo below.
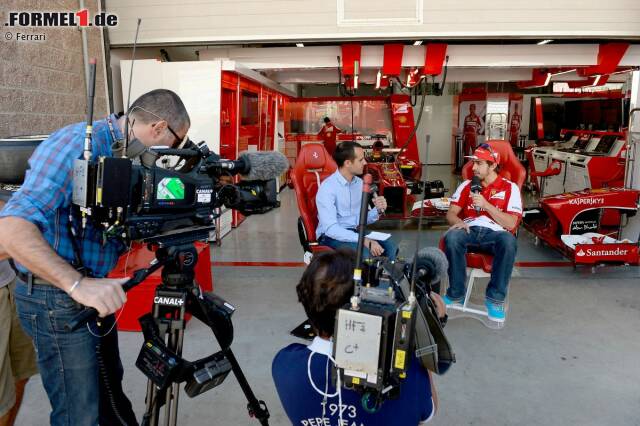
pixel 561 215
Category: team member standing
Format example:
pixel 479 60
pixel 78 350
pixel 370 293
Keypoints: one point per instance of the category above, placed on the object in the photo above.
pixel 328 135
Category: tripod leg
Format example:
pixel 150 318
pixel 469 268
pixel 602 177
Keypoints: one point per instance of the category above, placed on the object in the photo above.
pixel 256 408
pixel 173 393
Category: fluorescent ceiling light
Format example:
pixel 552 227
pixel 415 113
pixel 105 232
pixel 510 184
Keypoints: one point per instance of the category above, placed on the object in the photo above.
pixel 540 43
pixel 417 42
pixel 299 44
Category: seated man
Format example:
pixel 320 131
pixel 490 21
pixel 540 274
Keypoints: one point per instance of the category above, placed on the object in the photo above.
pixel 338 201
pixel 325 286
pixel 490 216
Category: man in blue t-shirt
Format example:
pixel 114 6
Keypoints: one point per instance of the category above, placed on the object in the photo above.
pixel 303 374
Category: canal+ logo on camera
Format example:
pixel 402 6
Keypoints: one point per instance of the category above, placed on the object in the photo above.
pixel 80 18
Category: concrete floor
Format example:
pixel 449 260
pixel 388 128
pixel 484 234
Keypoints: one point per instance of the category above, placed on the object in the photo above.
pixel 567 355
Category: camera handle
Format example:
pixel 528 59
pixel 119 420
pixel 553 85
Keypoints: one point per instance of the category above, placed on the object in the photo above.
pixel 89 314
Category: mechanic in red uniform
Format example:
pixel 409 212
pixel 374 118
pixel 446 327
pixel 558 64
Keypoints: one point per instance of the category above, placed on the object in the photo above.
pixel 471 130
pixel 514 127
pixel 483 218
pixel 328 135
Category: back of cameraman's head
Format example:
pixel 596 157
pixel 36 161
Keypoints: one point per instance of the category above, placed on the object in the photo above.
pixel 345 151
pixel 325 286
pixel 161 104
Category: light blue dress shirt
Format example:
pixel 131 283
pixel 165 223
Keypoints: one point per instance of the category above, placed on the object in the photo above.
pixel 338 203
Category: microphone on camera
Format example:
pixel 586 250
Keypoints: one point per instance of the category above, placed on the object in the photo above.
pixel 431 265
pixel 259 165
pixel 476 188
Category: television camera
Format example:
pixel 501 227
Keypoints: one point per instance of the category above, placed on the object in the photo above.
pixel 170 209
pixel 390 317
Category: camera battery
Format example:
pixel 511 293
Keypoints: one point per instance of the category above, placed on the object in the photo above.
pixel 159 365
pixel 208 373
pixel 113 182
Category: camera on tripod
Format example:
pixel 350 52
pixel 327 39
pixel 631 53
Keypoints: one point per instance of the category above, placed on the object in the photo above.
pixel 171 209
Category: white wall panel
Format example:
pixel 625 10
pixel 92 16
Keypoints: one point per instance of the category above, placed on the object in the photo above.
pixel 201 21
pixel 197 83
pixel 436 124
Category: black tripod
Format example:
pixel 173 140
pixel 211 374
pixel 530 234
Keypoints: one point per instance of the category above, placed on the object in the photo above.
pixel 160 357
pixel 177 295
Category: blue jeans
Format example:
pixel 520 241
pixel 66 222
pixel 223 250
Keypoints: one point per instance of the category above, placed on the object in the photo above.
pixel 390 247
pixel 501 244
pixel 69 361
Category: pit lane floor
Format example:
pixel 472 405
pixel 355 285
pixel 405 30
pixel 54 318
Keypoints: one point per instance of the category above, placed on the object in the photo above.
pixel 567 355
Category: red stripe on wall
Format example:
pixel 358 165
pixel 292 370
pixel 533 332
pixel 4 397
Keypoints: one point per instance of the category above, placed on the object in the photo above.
pixel 267 264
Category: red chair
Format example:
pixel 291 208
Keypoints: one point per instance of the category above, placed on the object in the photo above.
pixel 312 166
pixel 480 263
pixel 536 177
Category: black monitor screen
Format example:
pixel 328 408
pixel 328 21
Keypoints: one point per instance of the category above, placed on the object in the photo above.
pixel 582 142
pixel 605 144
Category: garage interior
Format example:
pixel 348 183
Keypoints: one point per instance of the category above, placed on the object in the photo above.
pixel 562 95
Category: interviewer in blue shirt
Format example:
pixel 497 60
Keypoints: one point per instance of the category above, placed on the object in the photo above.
pixel 338 201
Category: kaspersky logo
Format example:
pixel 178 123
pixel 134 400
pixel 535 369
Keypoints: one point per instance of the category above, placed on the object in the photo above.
pixel 586 201
pixel 80 18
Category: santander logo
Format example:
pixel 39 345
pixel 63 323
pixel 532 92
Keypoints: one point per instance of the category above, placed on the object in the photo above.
pixel 591 252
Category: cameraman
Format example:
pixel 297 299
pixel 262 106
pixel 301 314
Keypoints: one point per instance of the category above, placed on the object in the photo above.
pixel 325 287
pixel 59 274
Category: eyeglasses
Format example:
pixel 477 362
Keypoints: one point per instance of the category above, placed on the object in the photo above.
pixel 179 141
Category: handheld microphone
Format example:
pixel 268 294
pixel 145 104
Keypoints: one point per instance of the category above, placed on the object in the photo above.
pixel 373 189
pixel 476 188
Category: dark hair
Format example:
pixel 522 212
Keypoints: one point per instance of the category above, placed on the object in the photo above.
pixel 325 286
pixel 345 151
pixel 161 103
pixel 327 120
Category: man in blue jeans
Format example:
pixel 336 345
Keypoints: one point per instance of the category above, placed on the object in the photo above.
pixel 338 201
pixel 483 219
pixel 59 273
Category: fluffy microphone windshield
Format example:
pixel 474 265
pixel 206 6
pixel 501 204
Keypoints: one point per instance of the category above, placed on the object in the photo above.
pixel 264 165
pixel 431 264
